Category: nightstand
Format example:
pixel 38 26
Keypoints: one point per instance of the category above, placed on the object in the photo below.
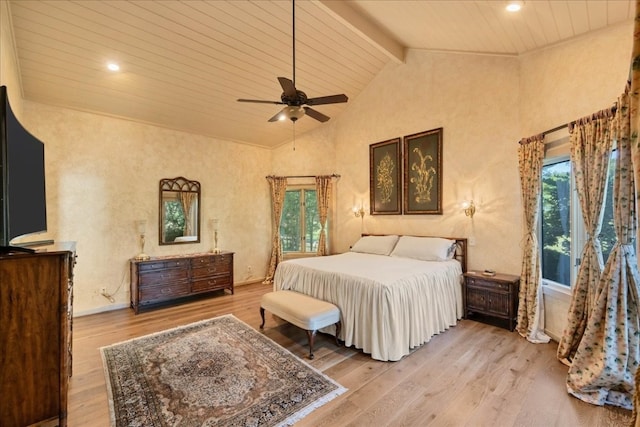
pixel 491 296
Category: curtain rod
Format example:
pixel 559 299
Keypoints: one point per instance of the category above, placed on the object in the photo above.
pixel 333 175
pixel 611 110
pixel 546 132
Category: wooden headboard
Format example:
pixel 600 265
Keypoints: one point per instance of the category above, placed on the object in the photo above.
pixel 461 247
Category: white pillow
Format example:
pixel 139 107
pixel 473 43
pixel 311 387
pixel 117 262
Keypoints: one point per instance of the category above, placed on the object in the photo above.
pixel 377 245
pixel 425 248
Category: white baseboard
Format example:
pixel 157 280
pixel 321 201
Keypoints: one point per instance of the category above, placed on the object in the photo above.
pixel 102 309
pixel 121 305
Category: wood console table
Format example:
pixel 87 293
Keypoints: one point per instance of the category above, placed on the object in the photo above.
pixel 172 279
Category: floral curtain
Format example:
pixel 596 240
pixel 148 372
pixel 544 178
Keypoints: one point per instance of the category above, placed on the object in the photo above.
pixel 607 357
pixel 591 142
pixel 323 193
pixel 531 306
pixel 634 114
pixel 278 186
pixel 186 200
pixel 634 102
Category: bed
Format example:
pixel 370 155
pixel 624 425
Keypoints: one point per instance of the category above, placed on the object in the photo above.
pixel 394 292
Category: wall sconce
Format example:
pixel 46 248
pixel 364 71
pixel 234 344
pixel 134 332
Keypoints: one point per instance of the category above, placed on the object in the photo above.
pixel 141 226
pixel 213 223
pixel 358 212
pixel 469 208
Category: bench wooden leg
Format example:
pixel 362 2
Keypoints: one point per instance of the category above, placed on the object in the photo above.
pixel 338 329
pixel 312 336
pixel 262 315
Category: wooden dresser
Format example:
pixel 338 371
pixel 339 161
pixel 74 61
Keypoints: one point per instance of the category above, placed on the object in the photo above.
pixel 36 297
pixel 165 280
pixel 492 296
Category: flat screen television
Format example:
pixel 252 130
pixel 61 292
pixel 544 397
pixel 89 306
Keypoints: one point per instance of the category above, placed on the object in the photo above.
pixel 23 204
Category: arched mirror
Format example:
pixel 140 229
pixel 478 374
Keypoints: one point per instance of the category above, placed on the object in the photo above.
pixel 179 211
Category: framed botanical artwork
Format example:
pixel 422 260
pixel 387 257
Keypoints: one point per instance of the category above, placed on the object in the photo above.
pixel 385 188
pixel 423 172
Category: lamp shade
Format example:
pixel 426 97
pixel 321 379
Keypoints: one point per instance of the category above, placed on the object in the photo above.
pixel 141 225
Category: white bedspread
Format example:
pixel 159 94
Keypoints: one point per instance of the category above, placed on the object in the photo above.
pixel 389 305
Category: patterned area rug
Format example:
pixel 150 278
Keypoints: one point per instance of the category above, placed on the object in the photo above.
pixel 218 372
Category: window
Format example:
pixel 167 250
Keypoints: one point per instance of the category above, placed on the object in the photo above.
pixel 300 223
pixel 562 231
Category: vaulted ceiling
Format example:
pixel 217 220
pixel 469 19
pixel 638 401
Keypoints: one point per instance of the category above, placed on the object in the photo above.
pixel 185 63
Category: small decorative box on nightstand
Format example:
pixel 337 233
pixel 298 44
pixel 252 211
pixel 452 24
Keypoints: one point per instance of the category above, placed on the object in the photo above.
pixel 495 296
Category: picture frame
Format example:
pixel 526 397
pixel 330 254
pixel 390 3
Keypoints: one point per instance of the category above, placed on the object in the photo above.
pixel 423 173
pixel 385 185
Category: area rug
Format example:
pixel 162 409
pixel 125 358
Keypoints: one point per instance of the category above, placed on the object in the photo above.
pixel 217 372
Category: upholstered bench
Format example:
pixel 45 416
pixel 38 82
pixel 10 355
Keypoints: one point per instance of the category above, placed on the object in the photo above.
pixel 303 311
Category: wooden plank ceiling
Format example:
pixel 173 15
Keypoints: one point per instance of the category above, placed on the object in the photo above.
pixel 184 63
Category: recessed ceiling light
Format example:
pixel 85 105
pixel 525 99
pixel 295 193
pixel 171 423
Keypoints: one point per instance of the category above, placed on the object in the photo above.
pixel 112 66
pixel 514 6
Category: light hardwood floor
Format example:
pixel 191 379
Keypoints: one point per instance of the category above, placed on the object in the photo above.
pixel 471 375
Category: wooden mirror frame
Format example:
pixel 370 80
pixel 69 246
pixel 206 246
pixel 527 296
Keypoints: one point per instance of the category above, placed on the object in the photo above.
pixel 179 186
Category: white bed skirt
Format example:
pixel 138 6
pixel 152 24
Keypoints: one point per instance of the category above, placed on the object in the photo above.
pixel 389 305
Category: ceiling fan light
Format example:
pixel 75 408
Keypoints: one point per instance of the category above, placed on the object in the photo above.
pixel 293 113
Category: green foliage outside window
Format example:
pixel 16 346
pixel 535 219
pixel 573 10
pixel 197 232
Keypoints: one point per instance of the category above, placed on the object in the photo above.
pixel 556 222
pixel 556 225
pixel 300 223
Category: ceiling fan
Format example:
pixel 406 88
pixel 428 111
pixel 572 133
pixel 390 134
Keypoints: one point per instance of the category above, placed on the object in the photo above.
pixel 296 101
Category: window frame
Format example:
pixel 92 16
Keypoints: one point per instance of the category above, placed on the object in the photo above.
pixel 302 188
pixel 577 229
pixel 556 151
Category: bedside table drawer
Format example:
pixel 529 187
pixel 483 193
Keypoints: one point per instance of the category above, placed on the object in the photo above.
pixel 484 283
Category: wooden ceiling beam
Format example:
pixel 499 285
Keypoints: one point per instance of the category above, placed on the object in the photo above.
pixel 366 29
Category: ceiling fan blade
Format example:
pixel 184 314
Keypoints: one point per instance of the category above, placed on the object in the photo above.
pixel 287 87
pixel 277 117
pixel 331 99
pixel 315 114
pixel 258 101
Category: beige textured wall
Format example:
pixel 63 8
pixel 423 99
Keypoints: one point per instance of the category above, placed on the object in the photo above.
pixel 574 79
pixel 474 99
pixel 312 153
pixel 103 175
pixel 9 75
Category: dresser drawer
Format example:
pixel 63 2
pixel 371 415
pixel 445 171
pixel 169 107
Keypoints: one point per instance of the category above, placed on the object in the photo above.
pixel 162 265
pixel 163 291
pixel 210 270
pixel 151 278
pixel 219 261
pixel 210 284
